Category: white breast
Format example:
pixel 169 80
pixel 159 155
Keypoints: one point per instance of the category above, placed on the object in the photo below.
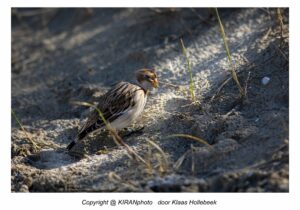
pixel 132 113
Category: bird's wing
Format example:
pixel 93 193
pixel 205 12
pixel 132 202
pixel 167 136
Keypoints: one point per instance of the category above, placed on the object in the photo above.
pixel 112 104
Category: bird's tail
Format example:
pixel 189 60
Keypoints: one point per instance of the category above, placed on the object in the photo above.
pixel 79 137
pixel 71 145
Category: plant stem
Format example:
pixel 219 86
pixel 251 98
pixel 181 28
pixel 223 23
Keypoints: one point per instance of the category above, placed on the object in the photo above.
pixel 192 92
pixel 23 129
pixel 233 73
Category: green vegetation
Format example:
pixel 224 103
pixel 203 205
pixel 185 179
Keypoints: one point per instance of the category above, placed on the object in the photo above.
pixel 232 69
pixel 192 85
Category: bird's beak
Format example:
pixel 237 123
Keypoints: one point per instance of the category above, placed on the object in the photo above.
pixel 155 83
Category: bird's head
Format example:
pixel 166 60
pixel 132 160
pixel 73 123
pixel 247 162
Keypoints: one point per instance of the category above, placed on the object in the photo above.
pixel 147 78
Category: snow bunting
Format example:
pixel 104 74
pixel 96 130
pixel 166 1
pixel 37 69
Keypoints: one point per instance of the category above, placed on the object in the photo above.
pixel 121 105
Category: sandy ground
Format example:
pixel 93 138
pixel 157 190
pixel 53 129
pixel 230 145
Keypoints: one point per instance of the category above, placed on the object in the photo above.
pixel 65 55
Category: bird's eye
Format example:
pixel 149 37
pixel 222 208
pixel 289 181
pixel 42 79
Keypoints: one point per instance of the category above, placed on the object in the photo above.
pixel 147 76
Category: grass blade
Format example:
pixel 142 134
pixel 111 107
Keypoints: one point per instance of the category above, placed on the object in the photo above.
pixel 232 69
pixel 35 146
pixel 163 154
pixel 189 137
pixel 118 140
pixel 192 91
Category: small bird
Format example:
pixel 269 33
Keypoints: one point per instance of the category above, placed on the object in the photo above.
pixel 121 105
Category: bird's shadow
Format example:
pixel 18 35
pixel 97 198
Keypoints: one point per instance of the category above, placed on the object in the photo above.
pixel 101 143
pixel 50 159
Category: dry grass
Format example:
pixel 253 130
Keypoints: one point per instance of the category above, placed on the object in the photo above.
pixel 179 162
pixel 35 146
pixel 163 163
pixel 28 135
pixel 187 136
pixel 117 139
pixel 280 20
